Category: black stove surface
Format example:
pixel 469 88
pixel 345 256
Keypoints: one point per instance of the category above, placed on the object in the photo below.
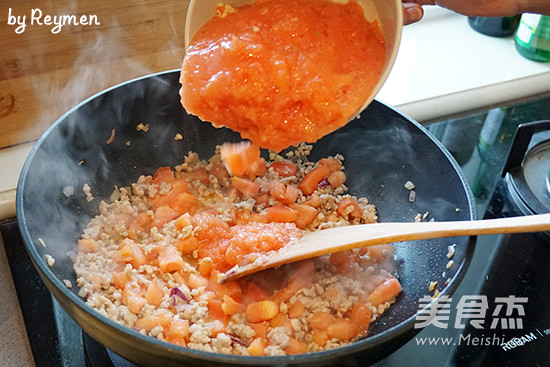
pixel 498 316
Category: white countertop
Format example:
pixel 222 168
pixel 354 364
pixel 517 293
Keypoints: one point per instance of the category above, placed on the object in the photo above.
pixel 443 67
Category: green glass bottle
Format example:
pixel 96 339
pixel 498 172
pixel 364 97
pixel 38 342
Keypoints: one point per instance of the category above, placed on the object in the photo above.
pixel 533 37
pixel 495 26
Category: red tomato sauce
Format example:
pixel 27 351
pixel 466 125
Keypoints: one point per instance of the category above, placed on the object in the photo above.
pixel 282 72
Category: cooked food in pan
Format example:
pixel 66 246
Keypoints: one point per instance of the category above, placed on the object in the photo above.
pixel 152 258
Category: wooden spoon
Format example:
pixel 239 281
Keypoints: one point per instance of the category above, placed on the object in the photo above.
pixel 337 239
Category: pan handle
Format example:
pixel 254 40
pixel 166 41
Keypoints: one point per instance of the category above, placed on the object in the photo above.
pixel 521 141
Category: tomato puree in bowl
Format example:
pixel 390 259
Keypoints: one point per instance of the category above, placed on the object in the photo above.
pixel 282 72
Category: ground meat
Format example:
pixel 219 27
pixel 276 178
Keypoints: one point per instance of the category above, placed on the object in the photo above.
pixel 280 337
pixel 120 286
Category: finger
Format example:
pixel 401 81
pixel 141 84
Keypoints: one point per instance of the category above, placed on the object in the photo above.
pixel 412 13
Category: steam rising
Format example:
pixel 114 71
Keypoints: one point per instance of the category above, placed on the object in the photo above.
pixel 75 152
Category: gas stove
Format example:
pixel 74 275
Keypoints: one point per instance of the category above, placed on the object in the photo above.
pixel 497 316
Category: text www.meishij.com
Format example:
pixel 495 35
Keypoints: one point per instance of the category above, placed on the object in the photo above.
pixel 468 339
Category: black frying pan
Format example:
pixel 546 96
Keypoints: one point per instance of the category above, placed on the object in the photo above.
pixel 383 150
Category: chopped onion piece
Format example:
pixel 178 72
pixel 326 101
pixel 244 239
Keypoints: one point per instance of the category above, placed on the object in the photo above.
pixel 177 292
pixel 409 185
pixel 237 341
pixel 412 196
pixel 323 184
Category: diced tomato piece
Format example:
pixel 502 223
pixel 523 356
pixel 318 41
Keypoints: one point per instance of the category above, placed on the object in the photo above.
pixel 336 178
pixel 306 214
pixel 179 327
pixel 277 189
pixel 205 267
pixel 130 289
pixel 233 289
pixel 284 169
pixel 187 245
pixel 280 320
pixel 378 252
pixel 216 327
pixel 341 328
pixel 361 315
pixel 215 310
pixel 163 215
pixel 170 259
pixel 310 181
pixel 119 279
pixel 230 306
pixel 319 337
pixel 184 203
pixel 159 318
pixel 87 245
pixel 258 168
pixel 260 328
pixel 242 158
pixel 321 320
pixel 219 171
pixel 246 186
pixel 154 294
pixel 130 252
pixel 331 163
pixel 285 193
pixel 163 174
pixel 349 207
pixel 197 280
pixel 141 223
pixel 257 347
pixel 183 221
pixel 262 198
pixel 301 277
pixel 199 174
pixel 178 186
pixel 291 194
pixel 314 201
pixel 296 347
pixel 281 214
pixel 296 310
pixel 255 293
pixel 285 293
pixel 132 297
pixel 179 278
pixel 385 291
pixel 261 311
pixel 178 333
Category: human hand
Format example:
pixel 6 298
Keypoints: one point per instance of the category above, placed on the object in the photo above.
pixel 412 12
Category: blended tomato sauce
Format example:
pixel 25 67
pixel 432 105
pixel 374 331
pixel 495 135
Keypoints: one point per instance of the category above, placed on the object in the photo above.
pixel 282 72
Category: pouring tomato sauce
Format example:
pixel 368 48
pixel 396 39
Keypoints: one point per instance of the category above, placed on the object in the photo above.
pixel 282 72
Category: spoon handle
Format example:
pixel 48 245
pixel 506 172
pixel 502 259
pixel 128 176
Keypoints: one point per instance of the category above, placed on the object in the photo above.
pixel 349 237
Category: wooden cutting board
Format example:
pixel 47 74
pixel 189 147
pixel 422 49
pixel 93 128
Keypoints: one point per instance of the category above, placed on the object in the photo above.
pixel 43 74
